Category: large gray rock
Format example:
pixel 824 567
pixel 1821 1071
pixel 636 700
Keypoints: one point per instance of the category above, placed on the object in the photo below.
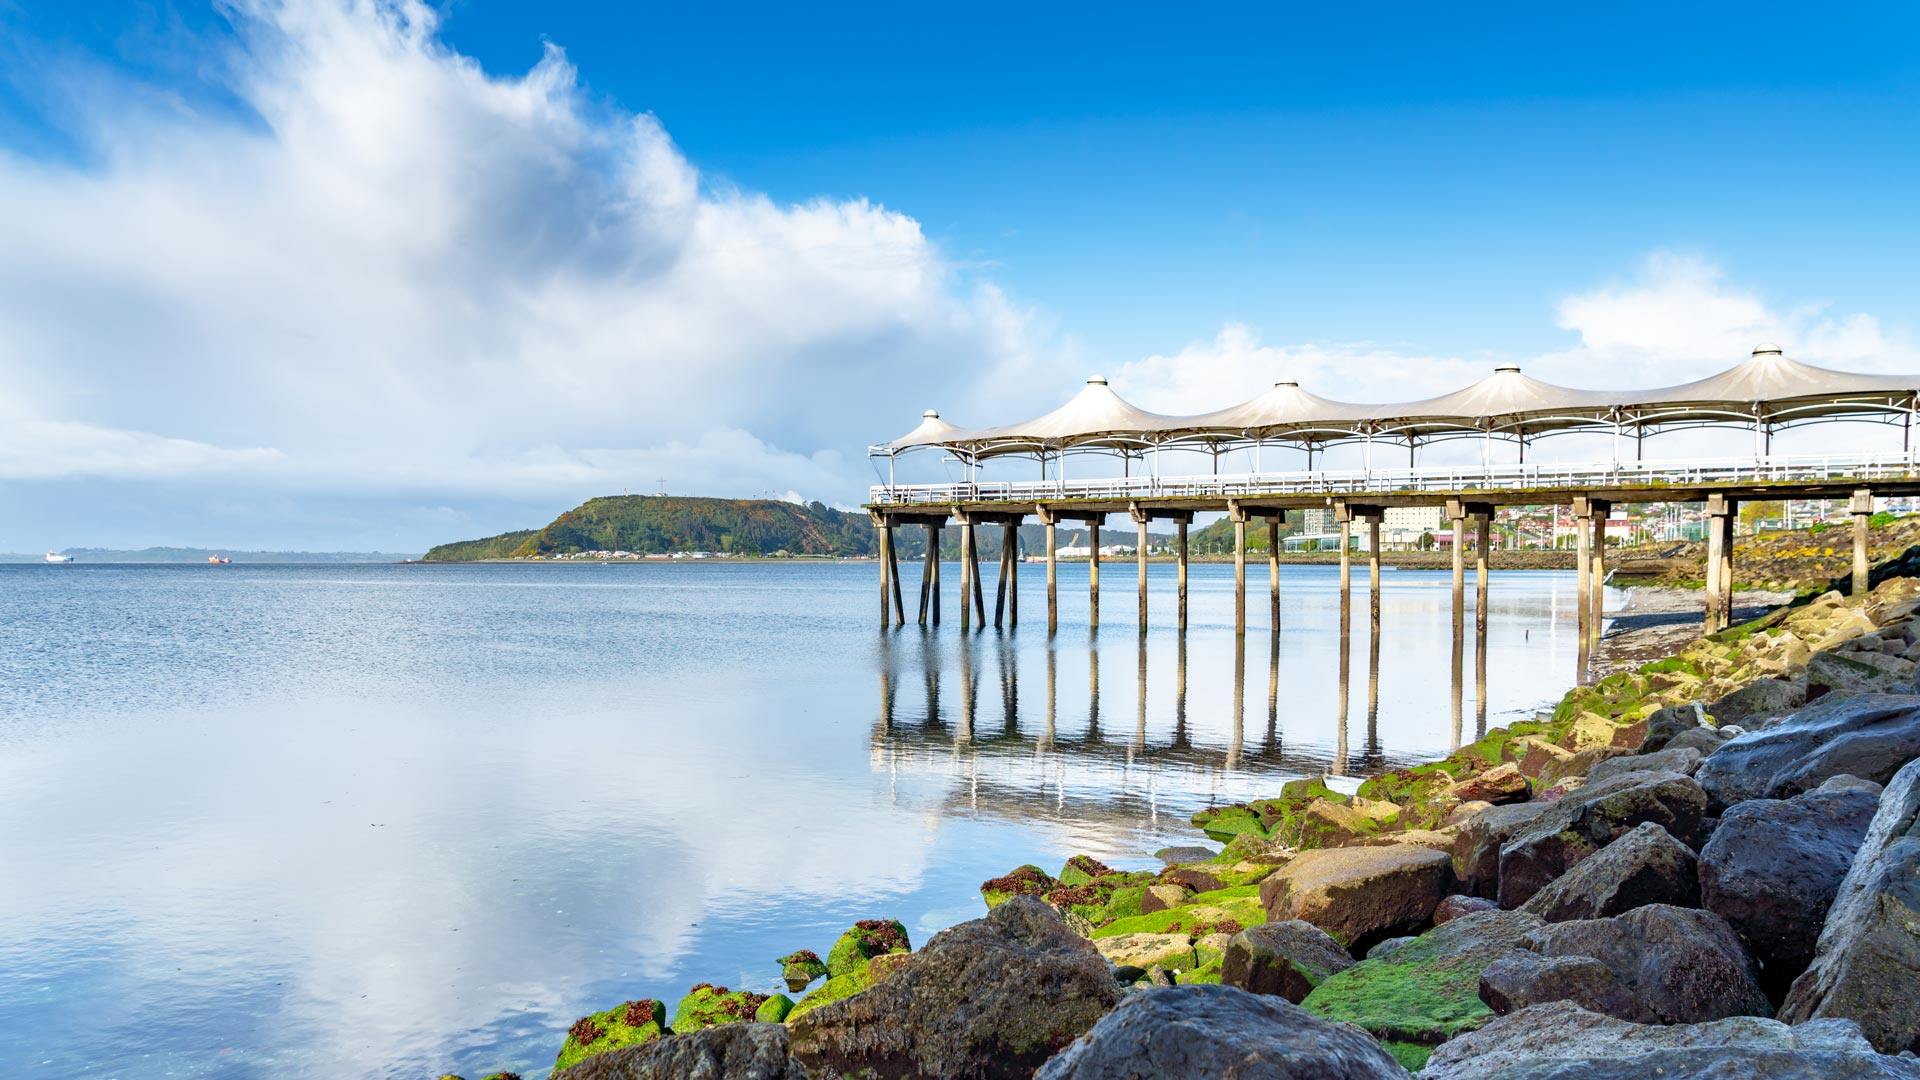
pixel 1665 724
pixel 1680 759
pixel 990 998
pixel 1590 819
pixel 1219 1031
pixel 1523 979
pixel 1685 966
pixel 1848 672
pixel 1476 850
pixel 1772 867
pixel 1284 959
pixel 1565 1041
pixel 725 1052
pixel 1646 866
pixel 1730 1063
pixel 1869 736
pixel 1360 895
pixel 1755 704
pixel 1866 967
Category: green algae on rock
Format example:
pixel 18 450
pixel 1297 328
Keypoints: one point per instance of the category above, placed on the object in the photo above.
pixel 1082 869
pixel 1427 990
pixel 834 989
pixel 774 1010
pixel 625 1024
pixel 706 1005
pixel 863 941
pixel 1028 880
pixel 801 968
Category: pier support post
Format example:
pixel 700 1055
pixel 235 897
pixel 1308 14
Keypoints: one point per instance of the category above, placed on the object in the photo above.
pixel 1716 538
pixel 1180 571
pixel 1373 569
pixel 1583 571
pixel 973 571
pixel 1343 514
pixel 1597 573
pixel 1273 568
pixel 1483 516
pixel 1049 518
pixel 927 563
pixel 1093 573
pixel 966 571
pixel 1727 523
pixel 1140 519
pixel 1862 507
pixel 1013 569
pixel 1457 513
pixel 893 575
pixel 1238 515
pixel 1000 586
pixel 933 569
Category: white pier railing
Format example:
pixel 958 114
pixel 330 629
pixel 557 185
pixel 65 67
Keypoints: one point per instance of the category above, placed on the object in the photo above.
pixel 1430 480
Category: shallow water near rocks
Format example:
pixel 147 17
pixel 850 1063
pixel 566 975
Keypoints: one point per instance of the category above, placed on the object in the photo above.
pixel 389 821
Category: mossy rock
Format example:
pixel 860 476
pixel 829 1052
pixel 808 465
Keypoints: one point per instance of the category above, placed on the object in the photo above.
pixel 1312 787
pixel 1427 990
pixel 774 1010
pixel 626 1024
pixel 709 1006
pixel 835 989
pixel 1235 912
pixel 498 1076
pixel 1083 868
pixel 1028 880
pixel 1671 665
pixel 1223 823
pixel 863 941
pixel 1413 784
pixel 1206 973
pixel 1124 903
pixel 801 968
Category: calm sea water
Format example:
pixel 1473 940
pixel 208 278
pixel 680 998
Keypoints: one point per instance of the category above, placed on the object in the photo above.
pixel 385 821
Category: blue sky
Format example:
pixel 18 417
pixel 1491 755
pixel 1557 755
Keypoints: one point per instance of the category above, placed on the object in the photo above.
pixel 912 207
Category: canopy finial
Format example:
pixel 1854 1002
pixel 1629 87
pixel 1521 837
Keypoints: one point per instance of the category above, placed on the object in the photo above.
pixel 1766 348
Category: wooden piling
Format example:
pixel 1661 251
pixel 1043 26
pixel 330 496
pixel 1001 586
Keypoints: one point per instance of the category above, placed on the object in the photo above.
pixel 1346 576
pixel 966 575
pixel 1597 575
pixel 1240 577
pixel 893 573
pixel 880 529
pixel 1373 567
pixel 930 560
pixel 1180 569
pixel 1000 586
pixel 1273 571
pixel 1485 529
pixel 1726 564
pixel 979 591
pixel 1861 505
pixel 933 569
pixel 1583 570
pixel 1053 580
pixel 1013 572
pixel 1715 537
pixel 1093 573
pixel 1140 556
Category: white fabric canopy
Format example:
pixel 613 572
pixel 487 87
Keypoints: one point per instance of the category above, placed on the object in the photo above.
pixel 1768 389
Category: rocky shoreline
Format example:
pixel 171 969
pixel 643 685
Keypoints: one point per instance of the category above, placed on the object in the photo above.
pixel 1703 865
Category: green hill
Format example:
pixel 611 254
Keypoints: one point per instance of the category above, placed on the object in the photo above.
pixel 659 524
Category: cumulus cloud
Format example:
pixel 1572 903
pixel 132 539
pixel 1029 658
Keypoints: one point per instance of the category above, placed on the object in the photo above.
pixel 389 269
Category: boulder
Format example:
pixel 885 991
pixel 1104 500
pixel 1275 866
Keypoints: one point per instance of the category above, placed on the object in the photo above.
pixel 1199 879
pixel 1580 764
pixel 1455 906
pixel 1171 951
pixel 801 968
pixel 1759 700
pixel 707 1006
pixel 1772 867
pixel 1857 672
pixel 863 941
pixel 1219 1031
pixel 1537 755
pixel 1476 851
pixel 727 1052
pixel 1175 856
pixel 1161 897
pixel 1500 784
pixel 1666 724
pixel 1360 895
pixel 1560 789
pixel 1587 731
pixel 1869 736
pixel 1646 866
pixel 1284 959
pixel 1685 966
pixel 1592 818
pixel 1866 966
pixel 1544 1040
pixel 1683 760
pixel 1423 990
pixel 1704 739
pixel 1522 979
pixel 627 1024
pixel 991 998
pixel 1721 1063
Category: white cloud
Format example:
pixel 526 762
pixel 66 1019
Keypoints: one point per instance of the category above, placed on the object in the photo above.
pixel 403 273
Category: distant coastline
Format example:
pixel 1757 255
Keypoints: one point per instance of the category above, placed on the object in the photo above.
pixel 201 555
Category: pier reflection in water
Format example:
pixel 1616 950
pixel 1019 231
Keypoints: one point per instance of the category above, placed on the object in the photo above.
pixel 1186 694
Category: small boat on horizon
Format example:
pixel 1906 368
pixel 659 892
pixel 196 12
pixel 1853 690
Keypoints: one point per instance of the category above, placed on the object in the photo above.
pixel 57 558
pixel 218 560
